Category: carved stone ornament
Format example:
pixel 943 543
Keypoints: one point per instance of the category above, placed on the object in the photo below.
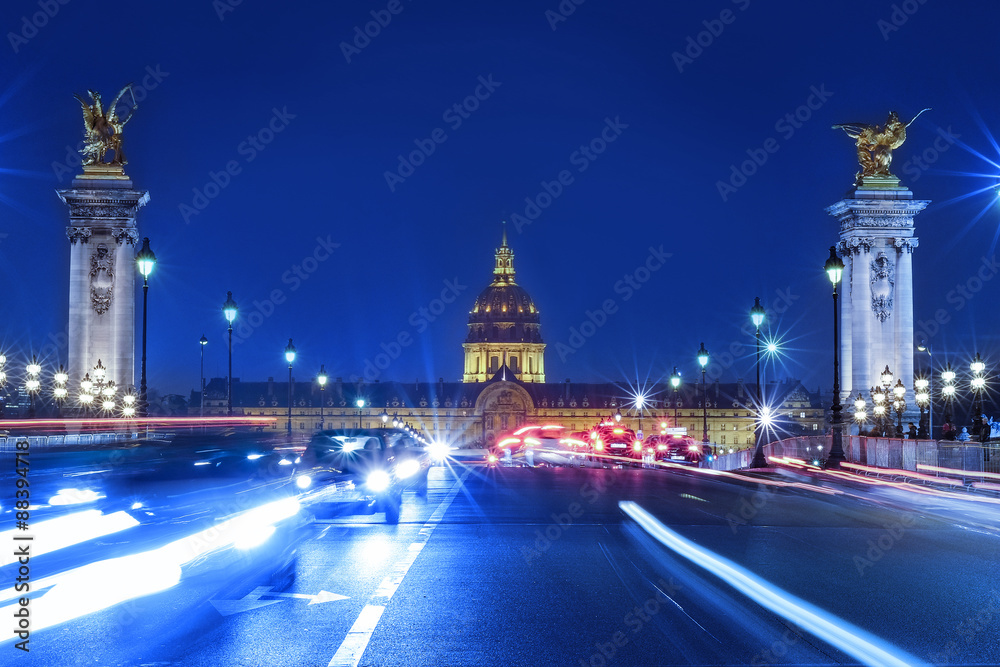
pixel 98 210
pixel 905 245
pixel 102 278
pixel 126 235
pixel 81 234
pixel 856 245
pixel 882 280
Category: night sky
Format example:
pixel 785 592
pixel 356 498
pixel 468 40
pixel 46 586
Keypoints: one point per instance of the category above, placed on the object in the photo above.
pixel 372 249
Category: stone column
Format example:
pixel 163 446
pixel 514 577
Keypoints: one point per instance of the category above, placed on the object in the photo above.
pixel 102 234
pixel 876 232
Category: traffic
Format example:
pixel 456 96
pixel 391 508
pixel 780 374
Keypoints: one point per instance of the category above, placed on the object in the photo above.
pixel 606 444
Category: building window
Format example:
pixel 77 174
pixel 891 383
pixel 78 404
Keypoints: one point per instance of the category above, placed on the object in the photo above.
pixel 723 440
pixel 802 415
pixel 494 364
pixel 513 365
pixel 815 427
pixel 749 440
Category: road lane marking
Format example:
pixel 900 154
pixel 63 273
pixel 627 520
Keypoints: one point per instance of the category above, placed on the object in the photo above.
pixel 252 600
pixel 354 645
pixel 852 640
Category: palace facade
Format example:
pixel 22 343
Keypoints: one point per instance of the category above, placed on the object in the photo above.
pixel 504 387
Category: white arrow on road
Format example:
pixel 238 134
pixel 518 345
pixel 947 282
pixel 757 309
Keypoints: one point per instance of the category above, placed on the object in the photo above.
pixel 252 600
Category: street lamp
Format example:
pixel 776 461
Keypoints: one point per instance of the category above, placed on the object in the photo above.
pixel 321 378
pixel 396 423
pixel 3 381
pixel 59 392
pixel 32 384
pixel 924 347
pixel 886 378
pixel 289 357
pixel 202 343
pixel 879 410
pixel 86 397
pixel 860 411
pixel 757 317
pixel 229 309
pixel 385 418
pixel 675 382
pixel 128 409
pixel 835 270
pixel 923 399
pixel 899 405
pixel 361 404
pixel 948 393
pixel 978 384
pixel 703 362
pixel 145 260
pixel 618 416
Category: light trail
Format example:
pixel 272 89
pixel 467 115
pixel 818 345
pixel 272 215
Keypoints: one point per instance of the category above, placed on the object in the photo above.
pixel 852 640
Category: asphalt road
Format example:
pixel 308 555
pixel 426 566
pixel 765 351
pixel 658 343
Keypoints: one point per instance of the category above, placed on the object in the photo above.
pixel 522 566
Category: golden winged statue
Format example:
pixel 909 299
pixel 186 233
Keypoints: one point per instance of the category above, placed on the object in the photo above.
pixel 875 143
pixel 103 127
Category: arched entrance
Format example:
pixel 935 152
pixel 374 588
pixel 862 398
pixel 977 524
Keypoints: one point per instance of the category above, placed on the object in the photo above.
pixel 503 406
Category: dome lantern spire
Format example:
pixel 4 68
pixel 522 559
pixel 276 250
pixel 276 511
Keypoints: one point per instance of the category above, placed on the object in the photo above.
pixel 503 272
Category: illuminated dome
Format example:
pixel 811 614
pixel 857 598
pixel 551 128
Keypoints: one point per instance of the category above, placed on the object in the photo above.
pixel 504 339
pixel 504 311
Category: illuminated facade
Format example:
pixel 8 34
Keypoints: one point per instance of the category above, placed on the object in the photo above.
pixel 474 414
pixel 504 331
pixel 503 387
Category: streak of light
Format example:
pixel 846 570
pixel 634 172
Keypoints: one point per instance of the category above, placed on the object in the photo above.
pixel 864 646
pixel 67 530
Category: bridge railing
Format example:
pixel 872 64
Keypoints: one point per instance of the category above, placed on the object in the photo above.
pixel 899 453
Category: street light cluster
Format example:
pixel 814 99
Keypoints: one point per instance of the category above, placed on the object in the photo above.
pixel 888 398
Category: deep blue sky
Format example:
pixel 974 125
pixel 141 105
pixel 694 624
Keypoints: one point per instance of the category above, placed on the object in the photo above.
pixel 656 185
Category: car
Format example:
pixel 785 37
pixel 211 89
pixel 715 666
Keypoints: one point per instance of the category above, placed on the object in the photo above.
pixel 361 471
pixel 683 449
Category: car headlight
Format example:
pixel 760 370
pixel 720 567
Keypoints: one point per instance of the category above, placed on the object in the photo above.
pixel 303 481
pixel 661 448
pixel 438 451
pixel 637 446
pixel 407 468
pixel 378 481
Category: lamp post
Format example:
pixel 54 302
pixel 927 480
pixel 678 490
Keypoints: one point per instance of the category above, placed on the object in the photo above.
pixel 59 392
pixel 3 381
pixel 879 409
pixel 321 378
pixel 128 409
pixel 757 317
pixel 922 397
pixel 834 270
pixel 32 384
pixel 899 405
pixel 924 347
pixel 703 362
pixel 618 416
pixel 86 397
pixel 978 384
pixel 145 260
pixel 675 382
pixel 202 343
pixel 639 404
pixel 361 404
pixel 290 357
pixel 385 418
pixel 948 393
pixel 860 411
pixel 229 309
pixel 396 422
